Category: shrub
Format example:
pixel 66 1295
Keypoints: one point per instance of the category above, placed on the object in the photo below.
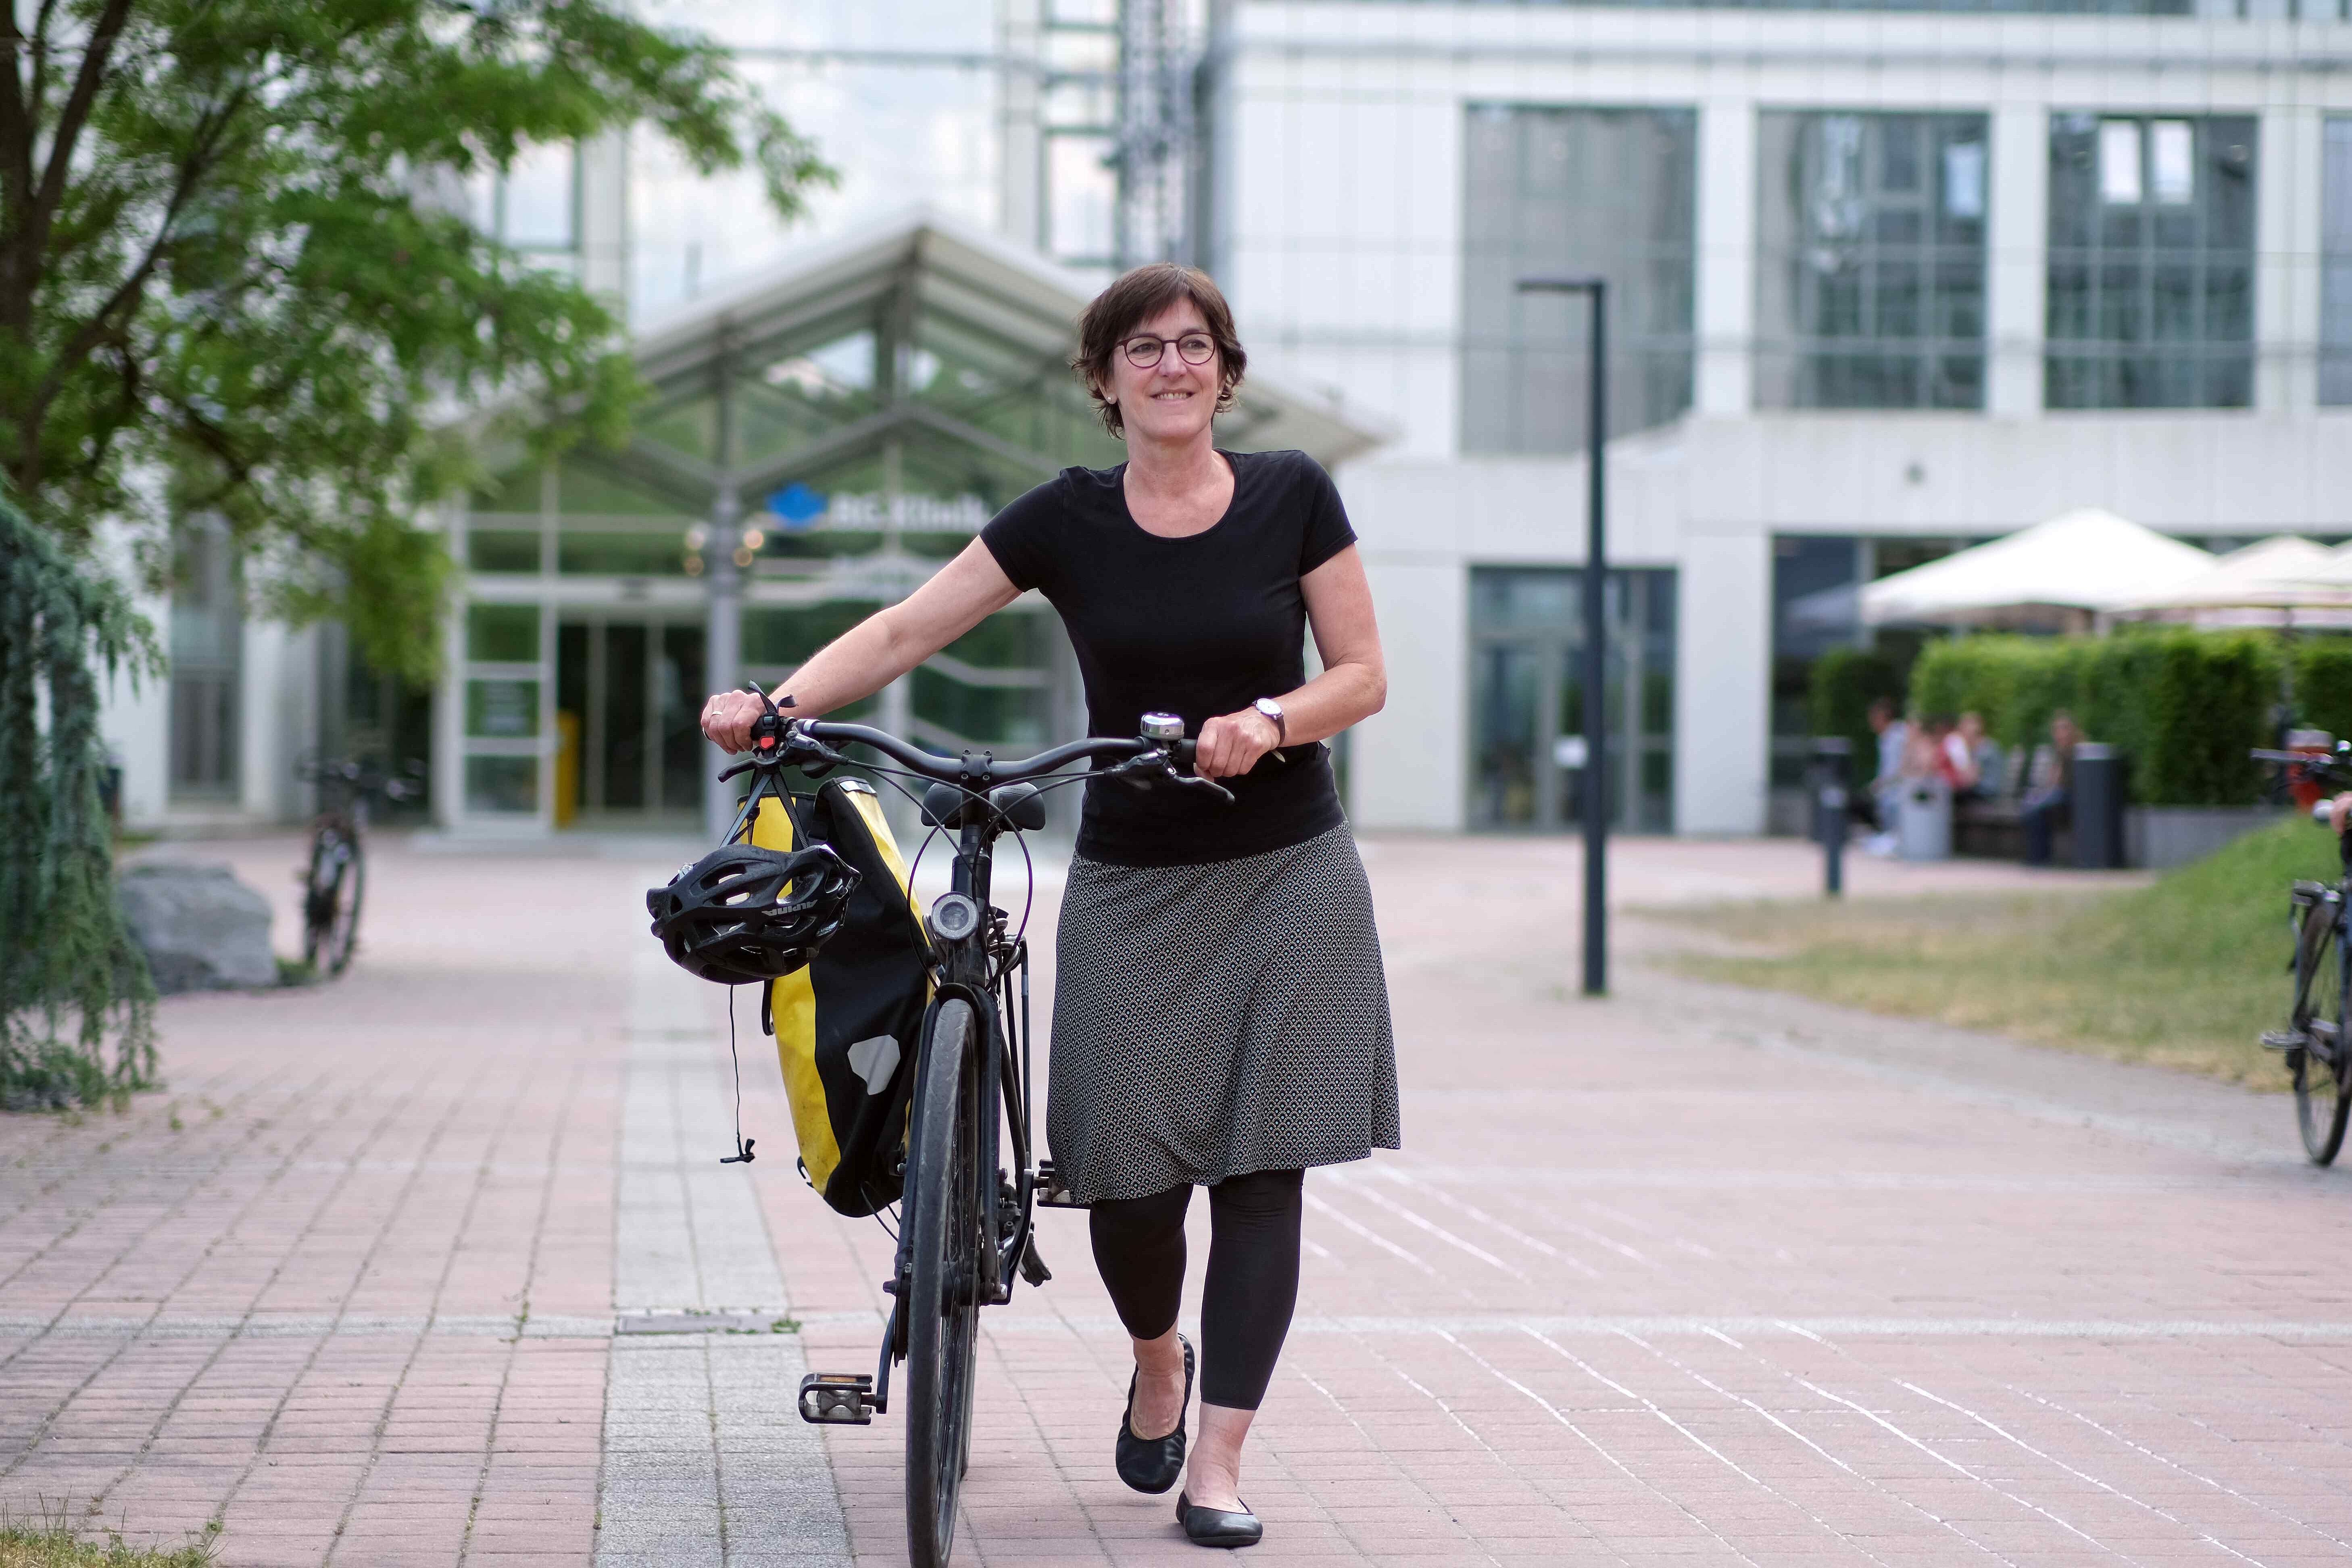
pixel 2323 684
pixel 1844 684
pixel 2184 707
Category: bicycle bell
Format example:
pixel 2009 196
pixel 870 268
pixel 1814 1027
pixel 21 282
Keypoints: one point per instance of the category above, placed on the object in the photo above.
pixel 1162 727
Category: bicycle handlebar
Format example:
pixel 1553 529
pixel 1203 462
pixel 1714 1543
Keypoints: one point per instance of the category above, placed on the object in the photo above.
pixel 983 769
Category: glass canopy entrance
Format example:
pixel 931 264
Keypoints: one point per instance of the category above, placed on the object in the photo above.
pixel 818 442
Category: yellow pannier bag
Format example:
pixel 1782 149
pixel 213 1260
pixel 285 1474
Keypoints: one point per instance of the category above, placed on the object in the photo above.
pixel 847 1026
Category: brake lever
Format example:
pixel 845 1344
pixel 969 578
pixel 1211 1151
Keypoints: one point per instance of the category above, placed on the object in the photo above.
pixel 1195 781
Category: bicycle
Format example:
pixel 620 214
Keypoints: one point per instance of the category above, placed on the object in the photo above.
pixel 335 880
pixel 968 1225
pixel 2317 1050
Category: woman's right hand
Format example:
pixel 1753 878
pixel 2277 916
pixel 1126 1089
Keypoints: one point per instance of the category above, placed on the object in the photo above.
pixel 728 718
pixel 2338 811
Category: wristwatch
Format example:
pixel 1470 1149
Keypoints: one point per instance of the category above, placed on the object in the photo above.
pixel 1273 710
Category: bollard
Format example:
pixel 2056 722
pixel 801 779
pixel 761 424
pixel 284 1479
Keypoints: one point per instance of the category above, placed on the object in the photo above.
pixel 2098 806
pixel 1832 758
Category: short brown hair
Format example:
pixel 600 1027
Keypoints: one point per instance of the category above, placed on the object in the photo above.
pixel 1134 298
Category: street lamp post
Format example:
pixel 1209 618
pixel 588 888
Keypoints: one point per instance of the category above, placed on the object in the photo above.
pixel 1595 673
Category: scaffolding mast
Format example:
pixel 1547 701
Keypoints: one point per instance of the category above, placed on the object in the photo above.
pixel 1152 151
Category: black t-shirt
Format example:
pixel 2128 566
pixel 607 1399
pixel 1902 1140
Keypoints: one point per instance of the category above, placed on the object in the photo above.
pixel 1196 626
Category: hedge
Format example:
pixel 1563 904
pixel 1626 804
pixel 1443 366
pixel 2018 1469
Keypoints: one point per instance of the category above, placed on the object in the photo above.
pixel 1844 683
pixel 2184 706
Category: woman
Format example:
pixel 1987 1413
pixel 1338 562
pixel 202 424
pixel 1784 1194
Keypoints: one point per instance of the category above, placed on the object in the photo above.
pixel 1221 1017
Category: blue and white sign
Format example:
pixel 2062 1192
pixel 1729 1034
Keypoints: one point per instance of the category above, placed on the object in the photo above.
pixel 797 506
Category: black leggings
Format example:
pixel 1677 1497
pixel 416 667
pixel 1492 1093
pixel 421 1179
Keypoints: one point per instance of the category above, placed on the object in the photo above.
pixel 1253 1282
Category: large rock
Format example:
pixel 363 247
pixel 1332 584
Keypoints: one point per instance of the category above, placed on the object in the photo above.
pixel 201 928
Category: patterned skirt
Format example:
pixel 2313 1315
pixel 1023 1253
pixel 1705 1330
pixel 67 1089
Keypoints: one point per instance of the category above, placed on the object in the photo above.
pixel 1214 1020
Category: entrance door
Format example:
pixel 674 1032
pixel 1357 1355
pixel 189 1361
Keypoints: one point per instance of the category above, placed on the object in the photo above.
pixel 629 696
pixel 1528 723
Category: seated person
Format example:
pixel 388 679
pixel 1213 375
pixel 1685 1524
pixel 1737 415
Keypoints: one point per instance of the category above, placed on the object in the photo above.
pixel 1984 757
pixel 2049 795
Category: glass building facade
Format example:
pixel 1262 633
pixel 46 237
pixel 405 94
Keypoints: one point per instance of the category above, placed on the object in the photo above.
pixel 2335 262
pixel 1553 190
pixel 2151 262
pixel 1870 278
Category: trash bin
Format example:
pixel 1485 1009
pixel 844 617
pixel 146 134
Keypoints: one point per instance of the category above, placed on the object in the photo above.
pixel 2098 806
pixel 1923 828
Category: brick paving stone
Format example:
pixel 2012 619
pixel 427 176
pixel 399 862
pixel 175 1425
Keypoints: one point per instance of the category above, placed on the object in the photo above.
pixel 1690 1275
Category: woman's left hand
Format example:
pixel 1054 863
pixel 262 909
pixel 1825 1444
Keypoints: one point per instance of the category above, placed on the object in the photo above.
pixel 1232 743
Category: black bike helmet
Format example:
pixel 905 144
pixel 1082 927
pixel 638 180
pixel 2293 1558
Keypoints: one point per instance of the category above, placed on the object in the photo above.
pixel 742 915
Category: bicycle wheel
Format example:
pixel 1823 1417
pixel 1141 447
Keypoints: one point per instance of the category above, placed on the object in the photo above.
pixel 2319 1068
pixel 322 894
pixel 344 930
pixel 944 1216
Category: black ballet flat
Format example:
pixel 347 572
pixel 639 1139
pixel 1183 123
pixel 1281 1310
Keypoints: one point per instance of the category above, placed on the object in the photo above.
pixel 1154 1464
pixel 1216 1527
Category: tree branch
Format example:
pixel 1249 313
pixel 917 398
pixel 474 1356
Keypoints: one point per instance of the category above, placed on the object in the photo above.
pixel 128 294
pixel 15 120
pixel 75 114
pixel 38 100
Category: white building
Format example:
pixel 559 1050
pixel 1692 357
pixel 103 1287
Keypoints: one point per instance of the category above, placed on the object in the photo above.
pixel 1881 282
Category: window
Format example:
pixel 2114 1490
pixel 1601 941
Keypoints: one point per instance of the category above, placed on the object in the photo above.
pixel 2151 302
pixel 208 634
pixel 2335 265
pixel 1606 191
pixel 2048 7
pixel 1871 275
pixel 534 205
pixel 1528 729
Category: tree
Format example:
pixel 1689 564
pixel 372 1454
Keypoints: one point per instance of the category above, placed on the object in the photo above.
pixel 219 290
pixel 70 975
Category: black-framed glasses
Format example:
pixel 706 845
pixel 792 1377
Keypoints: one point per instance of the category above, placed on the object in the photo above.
pixel 1193 348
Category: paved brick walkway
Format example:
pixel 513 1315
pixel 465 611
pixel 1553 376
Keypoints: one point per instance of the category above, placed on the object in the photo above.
pixel 1692 1273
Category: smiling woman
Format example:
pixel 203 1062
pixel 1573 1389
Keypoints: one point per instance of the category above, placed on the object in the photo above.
pixel 1221 1017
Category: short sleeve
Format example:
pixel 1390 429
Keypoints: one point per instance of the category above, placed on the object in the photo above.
pixel 1327 531
pixel 1019 536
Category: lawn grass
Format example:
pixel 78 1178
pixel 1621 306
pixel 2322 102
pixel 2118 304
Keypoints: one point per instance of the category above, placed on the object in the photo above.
pixel 2185 973
pixel 48 1542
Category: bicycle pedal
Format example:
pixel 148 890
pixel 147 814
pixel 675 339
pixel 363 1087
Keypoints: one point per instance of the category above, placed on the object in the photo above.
pixel 1050 1191
pixel 1033 1267
pixel 837 1399
pixel 2284 1039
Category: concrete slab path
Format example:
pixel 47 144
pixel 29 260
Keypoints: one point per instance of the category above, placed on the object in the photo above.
pixel 435 1265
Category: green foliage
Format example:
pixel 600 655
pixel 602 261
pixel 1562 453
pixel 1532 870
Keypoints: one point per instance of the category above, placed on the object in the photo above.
pixel 1844 684
pixel 2323 684
pixel 70 975
pixel 2184 706
pixel 216 267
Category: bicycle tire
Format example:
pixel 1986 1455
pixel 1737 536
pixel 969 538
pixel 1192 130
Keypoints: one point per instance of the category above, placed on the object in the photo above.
pixel 350 884
pixel 321 886
pixel 2319 1070
pixel 944 1214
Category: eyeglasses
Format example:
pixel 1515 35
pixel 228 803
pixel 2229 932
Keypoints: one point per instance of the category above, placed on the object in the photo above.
pixel 1193 348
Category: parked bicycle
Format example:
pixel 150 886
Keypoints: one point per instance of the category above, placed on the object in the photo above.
pixel 335 880
pixel 2317 1050
pixel 967 1220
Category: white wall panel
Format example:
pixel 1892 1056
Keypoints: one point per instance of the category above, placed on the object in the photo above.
pixel 1723 683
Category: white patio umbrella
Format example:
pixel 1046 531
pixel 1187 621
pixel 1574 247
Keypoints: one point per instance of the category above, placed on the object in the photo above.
pixel 2055 575
pixel 2284 580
